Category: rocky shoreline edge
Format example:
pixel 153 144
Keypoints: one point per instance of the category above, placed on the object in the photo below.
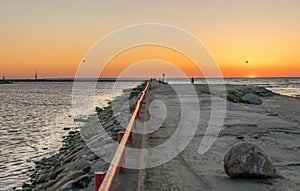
pixel 73 167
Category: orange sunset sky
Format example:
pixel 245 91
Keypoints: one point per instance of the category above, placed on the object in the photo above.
pixel 54 35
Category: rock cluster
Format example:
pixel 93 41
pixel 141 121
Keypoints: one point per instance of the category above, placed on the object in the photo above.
pixel 68 169
pixel 248 160
pixel 248 95
pixel 252 99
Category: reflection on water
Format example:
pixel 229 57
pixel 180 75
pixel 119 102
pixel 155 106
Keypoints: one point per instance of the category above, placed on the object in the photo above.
pixel 34 117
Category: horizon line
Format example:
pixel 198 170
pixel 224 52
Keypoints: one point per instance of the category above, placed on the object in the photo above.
pixel 143 78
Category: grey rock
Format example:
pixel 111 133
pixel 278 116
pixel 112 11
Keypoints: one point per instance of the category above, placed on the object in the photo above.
pixel 55 173
pixel 79 183
pixel 67 187
pixel 42 187
pixel 252 99
pixel 110 128
pixel 82 182
pixel 248 160
pixel 64 179
pixel 263 92
pixel 83 165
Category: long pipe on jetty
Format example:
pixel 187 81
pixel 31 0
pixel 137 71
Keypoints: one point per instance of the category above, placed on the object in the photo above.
pixel 111 172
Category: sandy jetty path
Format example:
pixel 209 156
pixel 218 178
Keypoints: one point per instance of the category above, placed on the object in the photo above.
pixel 273 126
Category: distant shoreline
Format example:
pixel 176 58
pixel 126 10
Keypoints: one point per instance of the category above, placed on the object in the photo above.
pixel 5 82
pixel 120 79
pixel 72 80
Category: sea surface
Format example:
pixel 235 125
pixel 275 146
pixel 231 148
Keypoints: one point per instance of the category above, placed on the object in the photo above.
pixel 34 116
pixel 283 86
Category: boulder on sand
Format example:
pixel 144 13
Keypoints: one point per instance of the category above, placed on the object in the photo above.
pixel 252 99
pixel 248 160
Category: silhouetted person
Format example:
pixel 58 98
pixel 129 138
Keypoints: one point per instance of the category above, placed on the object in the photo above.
pixel 192 80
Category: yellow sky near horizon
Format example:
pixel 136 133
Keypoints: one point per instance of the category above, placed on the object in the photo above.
pixel 150 61
pixel 53 36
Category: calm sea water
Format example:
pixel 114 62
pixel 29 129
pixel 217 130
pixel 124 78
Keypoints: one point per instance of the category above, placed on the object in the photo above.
pixel 33 117
pixel 283 86
pixel 32 121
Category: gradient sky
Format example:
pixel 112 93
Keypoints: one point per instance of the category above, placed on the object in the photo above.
pixel 54 35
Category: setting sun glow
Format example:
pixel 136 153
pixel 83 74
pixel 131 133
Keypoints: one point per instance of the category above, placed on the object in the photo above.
pixel 53 37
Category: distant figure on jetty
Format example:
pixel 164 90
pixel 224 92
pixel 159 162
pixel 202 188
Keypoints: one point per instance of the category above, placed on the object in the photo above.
pixel 192 80
pixel 4 81
pixel 36 75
